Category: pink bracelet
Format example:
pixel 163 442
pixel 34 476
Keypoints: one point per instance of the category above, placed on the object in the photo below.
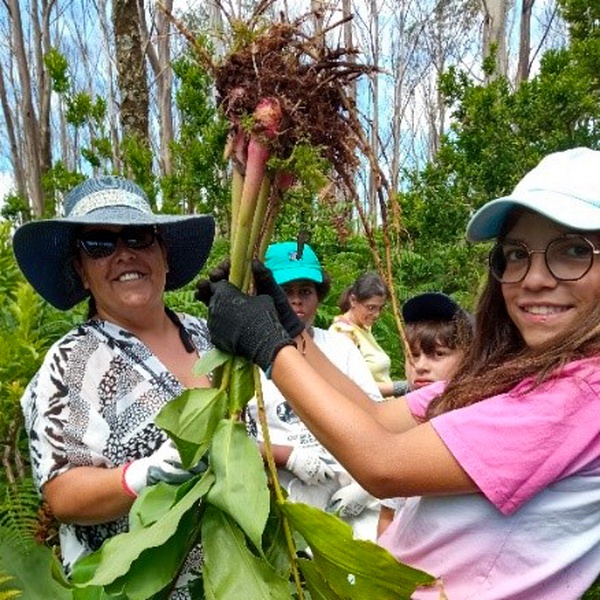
pixel 124 485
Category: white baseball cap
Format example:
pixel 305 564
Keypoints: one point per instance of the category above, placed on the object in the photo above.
pixel 564 187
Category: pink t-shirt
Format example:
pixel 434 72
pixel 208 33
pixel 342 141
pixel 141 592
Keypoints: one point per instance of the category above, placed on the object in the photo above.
pixel 534 531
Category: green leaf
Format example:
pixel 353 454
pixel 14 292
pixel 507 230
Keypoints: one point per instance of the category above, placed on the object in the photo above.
pixel 274 541
pixel 210 361
pixel 154 502
pixel 117 555
pixel 317 586
pixel 231 571
pixel 191 420
pixel 240 487
pixel 354 569
pixel 157 567
pixel 19 559
pixel 241 384
pixel 92 593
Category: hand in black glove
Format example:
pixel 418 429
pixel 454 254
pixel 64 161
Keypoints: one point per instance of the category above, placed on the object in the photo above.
pixel 243 325
pixel 265 284
pixel 204 289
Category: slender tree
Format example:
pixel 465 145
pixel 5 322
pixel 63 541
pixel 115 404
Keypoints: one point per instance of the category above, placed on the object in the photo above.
pixel 131 71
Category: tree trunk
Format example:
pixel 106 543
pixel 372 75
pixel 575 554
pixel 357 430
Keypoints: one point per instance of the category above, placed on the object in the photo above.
pixel 374 182
pixel 524 41
pixel 15 155
pixel 160 62
pixel 131 72
pixel 43 46
pixel 31 135
pixel 348 40
pixel 494 35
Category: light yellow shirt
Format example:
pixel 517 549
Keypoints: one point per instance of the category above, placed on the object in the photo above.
pixel 378 361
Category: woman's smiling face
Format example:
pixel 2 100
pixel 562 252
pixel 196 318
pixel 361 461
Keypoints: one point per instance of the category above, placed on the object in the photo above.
pixel 126 281
pixel 541 306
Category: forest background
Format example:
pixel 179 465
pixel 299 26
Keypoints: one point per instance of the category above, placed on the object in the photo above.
pixel 470 94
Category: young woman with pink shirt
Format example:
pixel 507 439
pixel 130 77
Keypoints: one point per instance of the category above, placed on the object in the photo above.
pixel 501 465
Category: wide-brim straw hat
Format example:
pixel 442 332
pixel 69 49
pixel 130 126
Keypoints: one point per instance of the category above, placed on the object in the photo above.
pixel 45 249
pixel 564 187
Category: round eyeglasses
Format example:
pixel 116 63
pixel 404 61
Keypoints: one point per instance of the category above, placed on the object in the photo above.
pixel 568 258
pixel 100 243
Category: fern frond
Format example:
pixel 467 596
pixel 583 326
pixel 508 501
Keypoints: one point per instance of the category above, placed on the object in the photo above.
pixel 8 594
pixel 19 513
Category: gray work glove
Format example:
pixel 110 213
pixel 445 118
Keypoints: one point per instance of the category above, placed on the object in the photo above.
pixel 163 465
pixel 243 325
pixel 350 500
pixel 309 466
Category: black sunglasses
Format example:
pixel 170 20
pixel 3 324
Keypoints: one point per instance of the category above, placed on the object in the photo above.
pixel 100 243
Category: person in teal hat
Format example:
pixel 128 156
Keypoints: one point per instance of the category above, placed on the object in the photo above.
pixel 307 471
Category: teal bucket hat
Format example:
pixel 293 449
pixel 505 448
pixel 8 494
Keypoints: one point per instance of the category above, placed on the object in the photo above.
pixel 289 262
pixel 45 249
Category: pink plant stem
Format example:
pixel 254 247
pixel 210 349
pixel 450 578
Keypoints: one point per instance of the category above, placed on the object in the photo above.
pixel 258 155
pixel 267 116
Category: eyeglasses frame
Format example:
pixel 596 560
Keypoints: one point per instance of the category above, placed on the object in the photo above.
pixel 595 252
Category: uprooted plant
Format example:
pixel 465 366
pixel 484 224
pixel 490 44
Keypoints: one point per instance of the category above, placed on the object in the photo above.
pixel 285 95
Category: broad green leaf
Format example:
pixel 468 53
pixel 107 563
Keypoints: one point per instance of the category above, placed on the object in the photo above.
pixel 354 569
pixel 154 502
pixel 240 487
pixel 231 571
pixel 274 542
pixel 210 361
pixel 191 419
pixel 157 567
pixel 241 384
pixel 93 593
pixel 117 555
pixel 21 558
pixel 316 585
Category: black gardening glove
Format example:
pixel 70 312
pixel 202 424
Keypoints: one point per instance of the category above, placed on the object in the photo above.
pixel 265 284
pixel 244 325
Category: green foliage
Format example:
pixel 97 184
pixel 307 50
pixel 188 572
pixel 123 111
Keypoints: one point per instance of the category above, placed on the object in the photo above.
pixel 15 209
pixel 58 70
pixel 6 594
pixel 583 17
pixel 197 183
pixel 137 160
pixel 18 513
pixel 497 134
pixel 81 111
pixel 31 566
pixel 230 509
pixel 56 181
pixel 10 276
pixel 594 592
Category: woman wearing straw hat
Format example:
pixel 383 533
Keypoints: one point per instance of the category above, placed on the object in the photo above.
pixel 307 471
pixel 502 463
pixel 89 411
